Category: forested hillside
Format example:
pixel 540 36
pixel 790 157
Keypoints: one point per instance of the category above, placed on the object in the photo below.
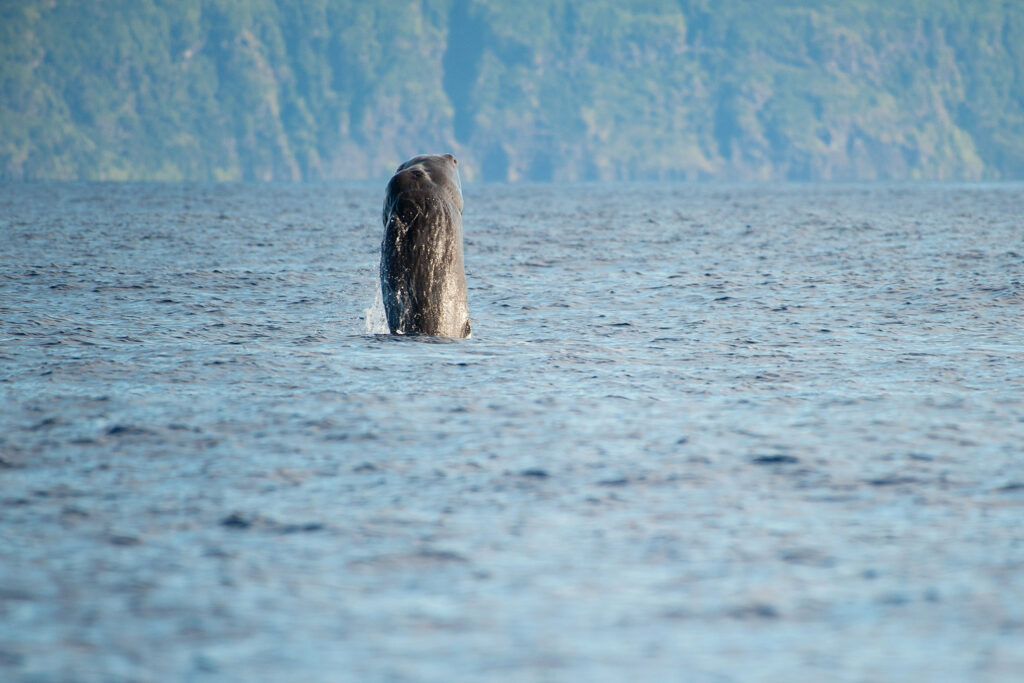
pixel 540 90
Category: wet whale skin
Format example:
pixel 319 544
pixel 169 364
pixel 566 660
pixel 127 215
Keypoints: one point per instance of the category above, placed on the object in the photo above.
pixel 422 273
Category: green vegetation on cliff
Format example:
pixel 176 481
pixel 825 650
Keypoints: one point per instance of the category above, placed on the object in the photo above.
pixel 552 89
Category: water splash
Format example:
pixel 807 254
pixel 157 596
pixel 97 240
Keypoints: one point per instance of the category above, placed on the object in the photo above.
pixel 376 321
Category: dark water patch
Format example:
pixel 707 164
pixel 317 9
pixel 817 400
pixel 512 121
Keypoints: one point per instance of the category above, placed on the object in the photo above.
pixel 755 611
pixel 774 460
pixel 240 522
pixel 893 480
pixel 424 558
pixel 123 540
pixel 535 473
pixel 129 430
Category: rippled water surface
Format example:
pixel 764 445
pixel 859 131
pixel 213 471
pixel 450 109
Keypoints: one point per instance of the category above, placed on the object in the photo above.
pixel 699 434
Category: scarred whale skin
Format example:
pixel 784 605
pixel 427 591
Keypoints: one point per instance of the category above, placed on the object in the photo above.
pixel 422 274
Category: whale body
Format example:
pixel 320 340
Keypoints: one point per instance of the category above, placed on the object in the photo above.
pixel 422 274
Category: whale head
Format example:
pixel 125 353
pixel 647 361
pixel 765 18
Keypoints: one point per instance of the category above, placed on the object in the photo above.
pixel 432 172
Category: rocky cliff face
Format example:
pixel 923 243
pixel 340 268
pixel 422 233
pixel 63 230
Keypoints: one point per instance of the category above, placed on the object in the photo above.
pixel 556 90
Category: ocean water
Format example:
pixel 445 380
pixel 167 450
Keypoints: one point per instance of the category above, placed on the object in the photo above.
pixel 700 433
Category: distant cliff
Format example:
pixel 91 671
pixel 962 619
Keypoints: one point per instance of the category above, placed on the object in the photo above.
pixel 545 90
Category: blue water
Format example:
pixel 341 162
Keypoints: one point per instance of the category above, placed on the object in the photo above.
pixel 701 433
